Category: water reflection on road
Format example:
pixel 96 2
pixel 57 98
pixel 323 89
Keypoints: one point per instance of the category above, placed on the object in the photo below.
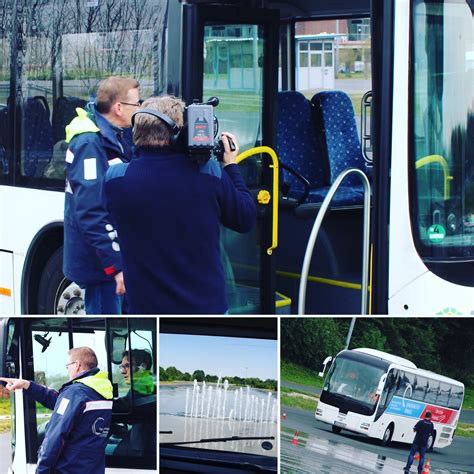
pixel 317 454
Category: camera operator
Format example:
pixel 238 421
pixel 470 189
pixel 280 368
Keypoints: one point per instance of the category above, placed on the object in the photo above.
pixel 168 210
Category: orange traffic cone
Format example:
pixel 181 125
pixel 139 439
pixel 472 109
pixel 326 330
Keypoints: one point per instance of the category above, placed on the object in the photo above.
pixel 426 468
pixel 417 457
pixel 283 416
pixel 295 438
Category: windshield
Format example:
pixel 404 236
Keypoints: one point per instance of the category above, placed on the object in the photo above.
pixel 355 380
pixel 443 133
pixel 218 387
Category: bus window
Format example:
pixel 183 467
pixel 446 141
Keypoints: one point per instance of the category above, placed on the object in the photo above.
pixel 388 391
pixel 456 397
pixel 405 385
pixel 421 385
pixel 133 438
pixel 443 395
pixel 50 344
pixel 432 391
pixel 63 62
pixel 5 64
pixel 134 434
pixel 442 136
pixel 334 54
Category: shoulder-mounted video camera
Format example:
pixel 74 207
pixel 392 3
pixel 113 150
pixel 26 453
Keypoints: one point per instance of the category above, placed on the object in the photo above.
pixel 202 130
pixel 198 137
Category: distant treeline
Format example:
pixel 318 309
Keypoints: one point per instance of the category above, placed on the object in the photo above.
pixel 442 345
pixel 172 374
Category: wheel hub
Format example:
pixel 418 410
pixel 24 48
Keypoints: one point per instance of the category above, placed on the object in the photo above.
pixel 71 300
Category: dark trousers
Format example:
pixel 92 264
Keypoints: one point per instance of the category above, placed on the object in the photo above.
pixel 102 299
pixel 414 449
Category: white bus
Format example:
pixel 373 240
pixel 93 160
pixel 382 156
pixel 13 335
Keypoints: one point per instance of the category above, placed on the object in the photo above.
pixel 383 396
pixel 411 107
pixel 36 349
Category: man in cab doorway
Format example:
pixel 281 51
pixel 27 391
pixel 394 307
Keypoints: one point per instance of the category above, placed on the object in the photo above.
pixel 77 432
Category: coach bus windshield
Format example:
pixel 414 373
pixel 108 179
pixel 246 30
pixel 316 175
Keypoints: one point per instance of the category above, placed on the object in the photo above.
pixel 350 380
pixel 442 157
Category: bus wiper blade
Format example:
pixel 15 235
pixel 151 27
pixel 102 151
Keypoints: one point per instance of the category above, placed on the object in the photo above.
pixel 219 440
pixel 166 432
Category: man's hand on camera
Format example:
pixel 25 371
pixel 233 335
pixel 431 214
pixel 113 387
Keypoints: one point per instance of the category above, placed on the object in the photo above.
pixel 120 288
pixel 229 156
pixel 15 384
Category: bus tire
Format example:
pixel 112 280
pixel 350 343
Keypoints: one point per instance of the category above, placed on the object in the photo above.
pixel 387 436
pixel 52 283
pixel 431 441
pixel 336 429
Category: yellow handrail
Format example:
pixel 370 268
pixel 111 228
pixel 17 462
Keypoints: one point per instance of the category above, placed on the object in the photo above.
pixel 427 160
pixel 265 149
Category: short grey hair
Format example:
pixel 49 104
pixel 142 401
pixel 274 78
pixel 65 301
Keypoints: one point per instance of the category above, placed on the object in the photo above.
pixel 153 132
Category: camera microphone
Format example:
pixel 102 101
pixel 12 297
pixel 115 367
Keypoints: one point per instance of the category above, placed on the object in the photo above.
pixel 214 101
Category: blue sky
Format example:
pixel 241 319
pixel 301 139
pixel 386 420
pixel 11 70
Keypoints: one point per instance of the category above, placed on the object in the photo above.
pixel 228 356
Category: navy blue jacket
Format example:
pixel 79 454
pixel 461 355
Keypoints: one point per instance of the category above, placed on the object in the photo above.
pixel 168 211
pixel 77 432
pixel 91 249
pixel 423 430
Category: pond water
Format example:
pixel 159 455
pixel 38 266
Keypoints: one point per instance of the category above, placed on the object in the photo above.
pixel 202 411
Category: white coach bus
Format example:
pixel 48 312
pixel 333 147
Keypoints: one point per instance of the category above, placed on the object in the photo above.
pixel 383 396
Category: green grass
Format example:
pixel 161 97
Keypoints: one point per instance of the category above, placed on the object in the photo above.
pixel 5 426
pixel 4 406
pixel 466 430
pixel 300 375
pixel 298 401
pixel 468 403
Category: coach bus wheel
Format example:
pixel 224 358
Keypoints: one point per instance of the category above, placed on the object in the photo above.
pixel 56 294
pixel 336 429
pixel 387 436
pixel 431 440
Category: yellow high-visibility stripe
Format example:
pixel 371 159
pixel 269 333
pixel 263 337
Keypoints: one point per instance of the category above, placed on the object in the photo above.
pixel 5 291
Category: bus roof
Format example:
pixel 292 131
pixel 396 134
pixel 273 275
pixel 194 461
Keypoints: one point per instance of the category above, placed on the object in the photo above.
pixel 400 361
pixel 388 357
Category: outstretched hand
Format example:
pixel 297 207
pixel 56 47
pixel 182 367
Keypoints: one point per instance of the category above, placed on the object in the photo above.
pixel 15 384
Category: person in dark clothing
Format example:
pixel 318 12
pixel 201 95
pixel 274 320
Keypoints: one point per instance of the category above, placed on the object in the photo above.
pixel 168 211
pixel 138 407
pixel 423 429
pixel 77 432
pixel 91 249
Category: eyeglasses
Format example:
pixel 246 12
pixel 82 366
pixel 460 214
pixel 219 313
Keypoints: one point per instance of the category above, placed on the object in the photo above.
pixel 137 104
pixel 70 363
pixel 124 366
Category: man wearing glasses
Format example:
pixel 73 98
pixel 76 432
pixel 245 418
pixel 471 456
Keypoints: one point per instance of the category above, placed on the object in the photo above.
pixel 91 249
pixel 77 432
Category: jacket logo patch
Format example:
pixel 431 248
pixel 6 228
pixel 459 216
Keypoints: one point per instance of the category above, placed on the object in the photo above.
pixel 62 406
pixel 90 168
pixel 100 428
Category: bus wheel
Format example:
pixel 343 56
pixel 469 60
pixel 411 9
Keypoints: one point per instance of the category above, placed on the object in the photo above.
pixel 431 440
pixel 336 429
pixel 387 436
pixel 56 294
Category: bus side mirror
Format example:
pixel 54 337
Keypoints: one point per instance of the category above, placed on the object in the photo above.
pixel 323 366
pixel 381 384
pixel 8 348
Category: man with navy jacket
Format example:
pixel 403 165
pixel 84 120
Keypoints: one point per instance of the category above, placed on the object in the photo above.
pixel 168 210
pixel 423 429
pixel 91 250
pixel 77 432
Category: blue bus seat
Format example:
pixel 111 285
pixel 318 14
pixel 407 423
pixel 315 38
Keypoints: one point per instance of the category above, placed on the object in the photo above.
pixel 339 138
pixel 37 146
pixel 298 147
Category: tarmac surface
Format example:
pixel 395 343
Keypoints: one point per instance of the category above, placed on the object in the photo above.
pixel 317 449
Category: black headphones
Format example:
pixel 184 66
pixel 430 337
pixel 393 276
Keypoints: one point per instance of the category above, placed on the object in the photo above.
pixel 175 130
